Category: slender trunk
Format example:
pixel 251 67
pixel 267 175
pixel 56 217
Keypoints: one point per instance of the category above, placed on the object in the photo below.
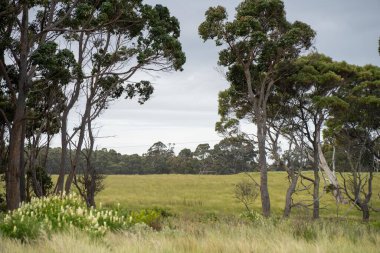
pixel 28 197
pixel 82 130
pixel 37 188
pixel 46 154
pixel 289 194
pixel 62 168
pixel 91 169
pixel 265 200
pixel 333 160
pixel 2 149
pixel 316 180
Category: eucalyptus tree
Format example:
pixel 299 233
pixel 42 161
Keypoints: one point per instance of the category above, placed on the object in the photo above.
pixel 112 40
pixel 26 27
pixel 313 85
pixel 354 129
pixel 134 37
pixel 233 155
pixel 158 156
pixel 203 154
pixel 255 43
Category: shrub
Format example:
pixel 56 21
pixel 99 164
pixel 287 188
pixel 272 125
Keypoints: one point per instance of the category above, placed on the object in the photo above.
pixel 246 192
pixel 53 214
pixel 152 218
pixel 252 216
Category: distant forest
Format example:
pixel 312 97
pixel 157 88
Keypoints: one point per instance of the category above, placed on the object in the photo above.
pixel 230 155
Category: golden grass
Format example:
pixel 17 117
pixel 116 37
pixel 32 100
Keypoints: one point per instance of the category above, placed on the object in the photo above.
pixel 213 237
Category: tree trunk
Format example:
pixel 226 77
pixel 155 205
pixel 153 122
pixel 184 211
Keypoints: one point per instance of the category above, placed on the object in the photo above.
pixel 330 175
pixel 16 132
pixel 316 179
pixel 289 194
pixel 365 212
pixel 261 136
pixel 22 164
pixel 82 130
pixel 62 168
pixel 14 162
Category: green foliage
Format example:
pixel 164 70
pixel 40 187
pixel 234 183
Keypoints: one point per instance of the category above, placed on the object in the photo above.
pixel 246 192
pixel 257 43
pixel 152 218
pixel 252 216
pixel 54 214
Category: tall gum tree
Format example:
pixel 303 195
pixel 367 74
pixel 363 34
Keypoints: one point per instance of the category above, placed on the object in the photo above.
pixel 136 37
pixel 26 26
pixel 255 43
pixel 355 130
pixel 308 92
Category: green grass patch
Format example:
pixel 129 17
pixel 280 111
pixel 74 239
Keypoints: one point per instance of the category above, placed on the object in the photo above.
pixel 194 195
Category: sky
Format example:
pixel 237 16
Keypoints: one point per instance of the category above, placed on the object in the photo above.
pixel 183 109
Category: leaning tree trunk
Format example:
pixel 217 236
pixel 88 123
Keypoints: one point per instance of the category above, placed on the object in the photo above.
pixel 330 175
pixel 289 193
pixel 82 130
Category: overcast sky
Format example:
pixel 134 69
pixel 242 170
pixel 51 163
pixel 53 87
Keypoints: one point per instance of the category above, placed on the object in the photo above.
pixel 183 109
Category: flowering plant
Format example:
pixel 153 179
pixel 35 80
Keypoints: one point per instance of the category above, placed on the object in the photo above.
pixel 59 213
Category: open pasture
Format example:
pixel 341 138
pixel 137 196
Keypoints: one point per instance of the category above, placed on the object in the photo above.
pixel 189 195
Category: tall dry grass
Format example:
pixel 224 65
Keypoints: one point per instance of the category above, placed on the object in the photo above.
pixel 190 236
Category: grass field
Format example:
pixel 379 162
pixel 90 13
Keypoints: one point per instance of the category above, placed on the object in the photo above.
pixel 206 219
pixel 189 195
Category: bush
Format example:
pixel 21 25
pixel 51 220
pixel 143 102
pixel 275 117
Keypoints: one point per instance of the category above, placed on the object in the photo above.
pixel 54 214
pixel 252 216
pixel 246 192
pixel 151 218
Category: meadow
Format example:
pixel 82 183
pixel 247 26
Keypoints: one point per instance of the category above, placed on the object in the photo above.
pixel 189 195
pixel 206 217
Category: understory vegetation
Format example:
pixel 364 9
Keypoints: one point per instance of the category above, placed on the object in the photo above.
pixel 57 214
pixel 266 235
pixel 184 213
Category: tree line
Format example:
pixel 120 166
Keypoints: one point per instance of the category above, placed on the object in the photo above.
pixel 229 156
